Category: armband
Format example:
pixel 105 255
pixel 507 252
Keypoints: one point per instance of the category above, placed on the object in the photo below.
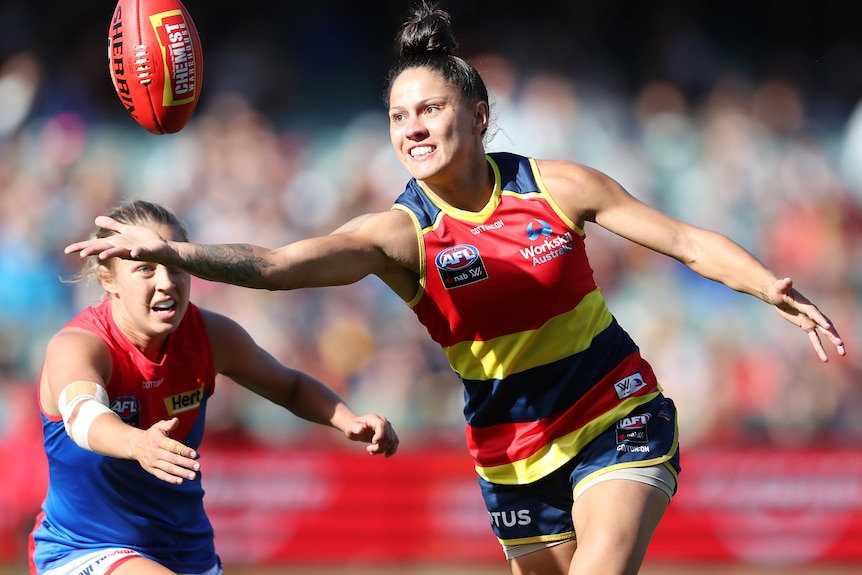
pixel 90 406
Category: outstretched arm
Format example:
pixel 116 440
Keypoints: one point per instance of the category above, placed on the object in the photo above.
pixel 239 357
pixel 359 248
pixel 716 257
pixel 589 195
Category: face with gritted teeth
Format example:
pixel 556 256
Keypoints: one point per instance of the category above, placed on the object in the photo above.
pixel 149 299
pixel 432 128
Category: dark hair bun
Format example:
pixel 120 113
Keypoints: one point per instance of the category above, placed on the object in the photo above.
pixel 428 30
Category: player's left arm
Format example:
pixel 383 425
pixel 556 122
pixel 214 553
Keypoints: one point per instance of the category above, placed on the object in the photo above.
pixel 239 357
pixel 589 195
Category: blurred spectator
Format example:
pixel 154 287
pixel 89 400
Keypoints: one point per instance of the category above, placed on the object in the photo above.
pixel 768 153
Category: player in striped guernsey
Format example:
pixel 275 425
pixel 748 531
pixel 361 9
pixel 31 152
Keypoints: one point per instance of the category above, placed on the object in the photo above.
pixel 574 443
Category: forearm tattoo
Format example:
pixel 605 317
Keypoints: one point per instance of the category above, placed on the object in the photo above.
pixel 228 263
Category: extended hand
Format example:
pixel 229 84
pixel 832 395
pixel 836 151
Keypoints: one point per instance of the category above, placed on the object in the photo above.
pixel 798 310
pixel 163 457
pixel 377 432
pixel 130 242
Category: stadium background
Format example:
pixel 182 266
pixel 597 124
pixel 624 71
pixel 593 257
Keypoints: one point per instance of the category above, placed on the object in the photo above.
pixel 742 117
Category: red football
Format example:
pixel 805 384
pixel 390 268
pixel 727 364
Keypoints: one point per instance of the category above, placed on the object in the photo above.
pixel 156 62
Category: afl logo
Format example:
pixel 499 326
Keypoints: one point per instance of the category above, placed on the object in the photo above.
pixel 127 407
pixel 459 266
pixel 457 257
pixel 633 429
pixel 538 228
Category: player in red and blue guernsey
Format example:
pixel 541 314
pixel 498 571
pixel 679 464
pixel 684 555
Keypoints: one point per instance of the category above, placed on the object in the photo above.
pixel 575 445
pixel 123 392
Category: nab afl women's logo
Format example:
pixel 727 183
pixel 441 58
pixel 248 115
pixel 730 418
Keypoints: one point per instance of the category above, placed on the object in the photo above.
pixel 460 265
pixel 128 408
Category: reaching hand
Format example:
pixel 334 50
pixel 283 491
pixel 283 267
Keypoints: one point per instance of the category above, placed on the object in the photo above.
pixel 163 457
pixel 798 310
pixel 376 431
pixel 130 242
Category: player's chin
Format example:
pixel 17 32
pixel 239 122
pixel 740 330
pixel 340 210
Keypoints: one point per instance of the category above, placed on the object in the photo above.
pixel 161 325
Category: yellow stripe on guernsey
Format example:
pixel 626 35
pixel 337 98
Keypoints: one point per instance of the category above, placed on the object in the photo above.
pixel 499 357
pixel 556 453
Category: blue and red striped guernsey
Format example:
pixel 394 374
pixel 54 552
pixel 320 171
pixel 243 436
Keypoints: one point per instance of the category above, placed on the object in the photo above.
pixel 509 295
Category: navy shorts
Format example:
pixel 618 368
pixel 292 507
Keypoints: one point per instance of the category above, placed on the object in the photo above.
pixel 542 511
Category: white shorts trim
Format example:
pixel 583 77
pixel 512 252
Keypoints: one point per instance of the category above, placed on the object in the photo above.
pixel 656 475
pixel 659 476
pixel 515 551
pixel 103 561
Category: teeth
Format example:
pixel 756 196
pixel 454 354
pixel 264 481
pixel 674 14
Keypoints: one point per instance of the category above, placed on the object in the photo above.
pixel 420 151
pixel 164 305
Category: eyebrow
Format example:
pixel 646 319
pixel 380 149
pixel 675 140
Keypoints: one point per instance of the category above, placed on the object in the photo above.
pixel 424 102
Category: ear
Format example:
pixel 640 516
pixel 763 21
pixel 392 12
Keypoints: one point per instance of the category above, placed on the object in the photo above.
pixel 107 279
pixel 481 115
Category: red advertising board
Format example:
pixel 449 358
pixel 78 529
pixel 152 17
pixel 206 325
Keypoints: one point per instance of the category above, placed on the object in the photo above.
pixel 765 506
pixel 337 504
pixel 307 505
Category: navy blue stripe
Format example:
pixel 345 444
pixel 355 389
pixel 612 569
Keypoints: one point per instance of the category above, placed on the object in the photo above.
pixel 414 199
pixel 542 391
pixel 516 174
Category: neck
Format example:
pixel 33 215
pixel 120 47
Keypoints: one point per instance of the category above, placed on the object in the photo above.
pixel 470 190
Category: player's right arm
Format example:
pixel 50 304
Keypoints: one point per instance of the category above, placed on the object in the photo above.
pixel 382 244
pixel 73 386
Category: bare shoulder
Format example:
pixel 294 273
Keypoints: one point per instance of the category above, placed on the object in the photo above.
pixel 75 341
pixel 72 354
pixel 581 191
pixel 566 174
pixel 395 237
pixel 217 323
pixel 392 220
pixel 228 340
pixel 392 232
pixel 564 169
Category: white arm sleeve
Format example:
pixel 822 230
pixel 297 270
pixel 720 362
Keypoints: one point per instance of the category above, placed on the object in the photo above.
pixel 91 407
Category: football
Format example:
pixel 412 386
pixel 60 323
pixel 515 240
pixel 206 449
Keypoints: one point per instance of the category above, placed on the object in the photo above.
pixel 156 62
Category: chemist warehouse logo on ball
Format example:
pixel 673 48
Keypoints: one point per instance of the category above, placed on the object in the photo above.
pixel 460 265
pixel 180 67
pixel 549 248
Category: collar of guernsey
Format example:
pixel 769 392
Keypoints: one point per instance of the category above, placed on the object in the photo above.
pixel 509 295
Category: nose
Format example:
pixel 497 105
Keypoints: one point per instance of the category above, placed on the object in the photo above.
pixel 165 279
pixel 415 129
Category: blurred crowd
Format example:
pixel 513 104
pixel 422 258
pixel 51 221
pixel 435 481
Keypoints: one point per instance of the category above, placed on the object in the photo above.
pixel 765 158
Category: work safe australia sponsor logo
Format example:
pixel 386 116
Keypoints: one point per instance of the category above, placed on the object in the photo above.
pixel 460 265
pixel 548 247
pixel 538 228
